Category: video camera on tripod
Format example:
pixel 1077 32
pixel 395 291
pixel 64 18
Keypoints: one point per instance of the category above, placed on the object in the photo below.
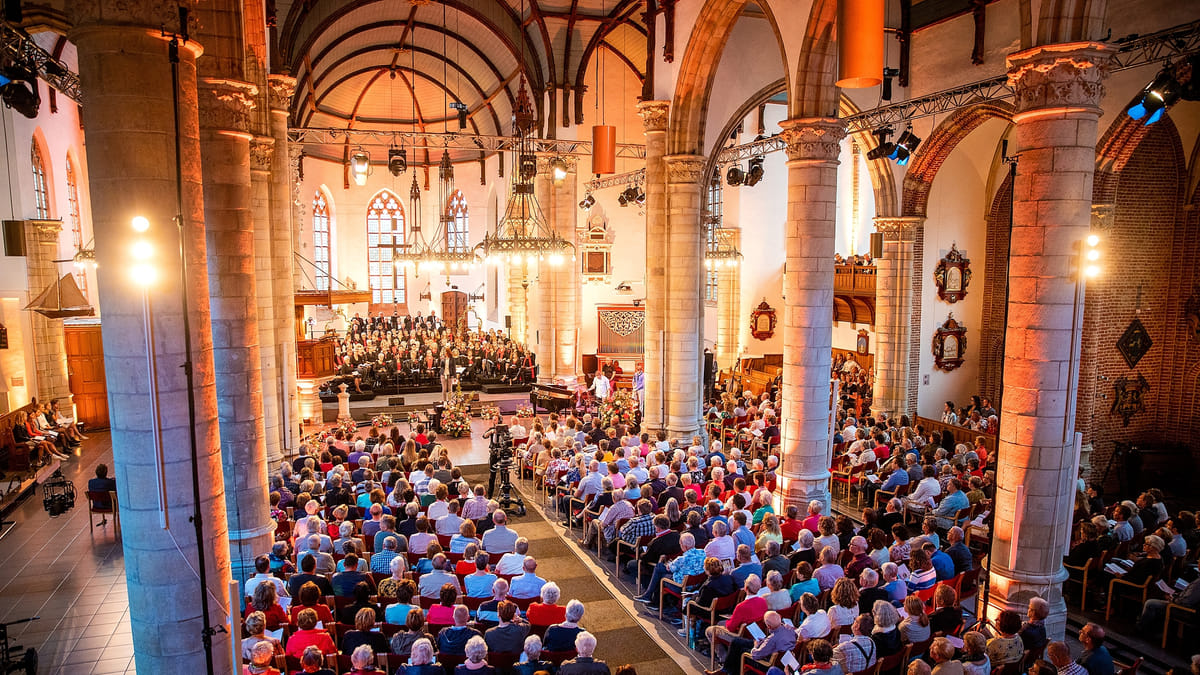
pixel 501 460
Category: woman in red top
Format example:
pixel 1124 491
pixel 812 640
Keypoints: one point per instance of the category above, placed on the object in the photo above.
pixel 442 613
pixel 309 634
pixel 265 601
pixel 547 612
pixel 310 598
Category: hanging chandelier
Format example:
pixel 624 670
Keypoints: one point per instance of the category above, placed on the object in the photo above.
pixel 442 256
pixel 413 253
pixel 522 234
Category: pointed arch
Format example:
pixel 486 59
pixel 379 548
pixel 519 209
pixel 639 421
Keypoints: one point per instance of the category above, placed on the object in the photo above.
pixel 41 178
pixel 386 231
pixel 458 224
pixel 322 227
pixel 75 221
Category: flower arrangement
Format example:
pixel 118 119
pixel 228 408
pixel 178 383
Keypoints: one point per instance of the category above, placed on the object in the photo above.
pixel 456 417
pixel 525 411
pixel 490 411
pixel 382 421
pixel 348 427
pixel 620 408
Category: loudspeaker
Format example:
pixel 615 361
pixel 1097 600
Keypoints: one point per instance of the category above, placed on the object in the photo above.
pixel 508 321
pixel 709 371
pixel 395 400
pixel 876 244
pixel 14 237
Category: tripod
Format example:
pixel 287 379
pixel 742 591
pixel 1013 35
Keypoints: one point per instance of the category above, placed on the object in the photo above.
pixel 11 658
pixel 508 497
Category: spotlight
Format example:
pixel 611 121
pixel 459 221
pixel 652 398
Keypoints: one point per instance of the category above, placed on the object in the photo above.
pixel 1091 256
pixel 1162 93
pixel 888 74
pixel 756 172
pixel 397 161
pixel 588 202
pixel 735 176
pixel 58 495
pixel 360 166
pixel 905 146
pixel 883 147
pixel 462 114
pixel 22 97
pixel 630 194
pixel 558 169
pixel 641 197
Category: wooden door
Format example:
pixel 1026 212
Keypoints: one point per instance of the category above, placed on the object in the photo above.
pixel 454 309
pixel 85 373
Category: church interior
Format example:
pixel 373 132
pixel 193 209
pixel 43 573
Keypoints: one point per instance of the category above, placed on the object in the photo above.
pixel 600 336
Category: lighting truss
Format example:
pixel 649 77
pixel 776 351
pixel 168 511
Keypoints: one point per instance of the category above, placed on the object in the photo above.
pixel 626 179
pixel 21 48
pixel 437 141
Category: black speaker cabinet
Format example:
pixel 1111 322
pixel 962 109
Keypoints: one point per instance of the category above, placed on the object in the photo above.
pixel 14 237
pixel 876 244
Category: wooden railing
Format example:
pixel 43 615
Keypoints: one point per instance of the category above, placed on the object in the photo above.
pixel 854 279
pixel 960 434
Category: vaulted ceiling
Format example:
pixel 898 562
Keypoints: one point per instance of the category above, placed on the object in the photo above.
pixel 399 64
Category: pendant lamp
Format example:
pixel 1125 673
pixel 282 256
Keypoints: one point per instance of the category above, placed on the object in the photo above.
pixel 860 43
pixel 604 149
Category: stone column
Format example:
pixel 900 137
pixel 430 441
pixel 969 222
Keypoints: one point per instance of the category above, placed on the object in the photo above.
pixel 565 277
pixel 894 302
pixel 49 345
pixel 225 107
pixel 654 116
pixel 729 302
pixel 812 149
pixel 1058 92
pixel 131 160
pixel 284 225
pixel 517 305
pixel 683 334
pixel 540 299
pixel 261 154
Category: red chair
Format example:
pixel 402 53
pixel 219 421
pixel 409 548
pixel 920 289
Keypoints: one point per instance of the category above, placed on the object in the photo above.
pixel 668 587
pixel 503 661
pixel 557 658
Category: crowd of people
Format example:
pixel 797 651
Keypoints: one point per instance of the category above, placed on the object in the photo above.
pixel 392 352
pixel 979 416
pixel 388 560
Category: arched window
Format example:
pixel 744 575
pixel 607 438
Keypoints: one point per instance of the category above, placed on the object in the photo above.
pixel 714 210
pixel 41 193
pixel 75 222
pixel 458 228
pixel 385 236
pixel 321 240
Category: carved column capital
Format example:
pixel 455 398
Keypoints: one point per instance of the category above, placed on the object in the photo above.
pixel 1059 76
pixel 262 152
pixel 545 158
pixel 226 104
pixel 1103 217
pixel 43 231
pixel 814 138
pixel 279 91
pixel 654 114
pixel 684 168
pixel 147 13
pixel 898 228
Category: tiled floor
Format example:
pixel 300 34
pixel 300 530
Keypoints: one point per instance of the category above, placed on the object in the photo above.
pixel 71 576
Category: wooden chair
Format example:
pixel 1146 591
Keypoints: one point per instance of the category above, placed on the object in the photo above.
pixel 1184 616
pixel 668 586
pixel 636 549
pixel 889 665
pixel 753 667
pixel 1084 571
pixel 103 497
pixel 503 661
pixel 967 586
pixel 557 658
pixel 1119 584
pixel 451 661
pixel 711 612
pixel 1131 669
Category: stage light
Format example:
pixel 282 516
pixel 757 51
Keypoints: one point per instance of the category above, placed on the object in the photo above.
pixel 558 169
pixel 735 176
pixel 588 202
pixel 360 166
pixel 883 147
pixel 904 147
pixel 1162 93
pixel 140 224
pixel 1091 254
pixel 755 174
pixel 641 197
pixel 630 194
pixel 141 250
pixel 462 114
pixel 397 161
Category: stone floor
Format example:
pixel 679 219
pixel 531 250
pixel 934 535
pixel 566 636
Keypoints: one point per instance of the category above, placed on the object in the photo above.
pixel 70 575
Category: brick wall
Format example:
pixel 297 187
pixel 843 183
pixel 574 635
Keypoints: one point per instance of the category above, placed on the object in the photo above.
pixel 1149 269
pixel 995 275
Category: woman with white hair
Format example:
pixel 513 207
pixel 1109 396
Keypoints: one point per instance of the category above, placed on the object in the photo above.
pixel 547 612
pixel 421 661
pixel 262 655
pixel 476 651
pixel 533 658
pixel 885 634
pixel 362 660
pixel 256 626
pixel 561 636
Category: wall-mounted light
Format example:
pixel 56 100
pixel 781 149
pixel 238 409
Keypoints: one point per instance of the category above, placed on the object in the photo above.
pixel 558 169
pixel 1091 256
pixel 360 166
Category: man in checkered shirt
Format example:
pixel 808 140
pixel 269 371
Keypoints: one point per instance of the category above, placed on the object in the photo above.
pixel 641 525
pixel 858 653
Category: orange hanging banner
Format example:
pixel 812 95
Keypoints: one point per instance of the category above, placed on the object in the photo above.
pixel 604 149
pixel 860 43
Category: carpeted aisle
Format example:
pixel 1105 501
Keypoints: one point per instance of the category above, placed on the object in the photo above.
pixel 620 639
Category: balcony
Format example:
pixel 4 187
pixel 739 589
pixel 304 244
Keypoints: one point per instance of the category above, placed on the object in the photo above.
pixel 854 294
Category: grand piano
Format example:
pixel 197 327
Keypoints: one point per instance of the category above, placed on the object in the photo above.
pixel 552 398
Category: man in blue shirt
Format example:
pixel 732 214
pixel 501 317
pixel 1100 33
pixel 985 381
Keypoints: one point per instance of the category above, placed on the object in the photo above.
pixel 742 534
pixel 528 585
pixel 1095 657
pixel 943 564
pixel 952 502
pixel 895 479
pixel 958 551
pixel 745 566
